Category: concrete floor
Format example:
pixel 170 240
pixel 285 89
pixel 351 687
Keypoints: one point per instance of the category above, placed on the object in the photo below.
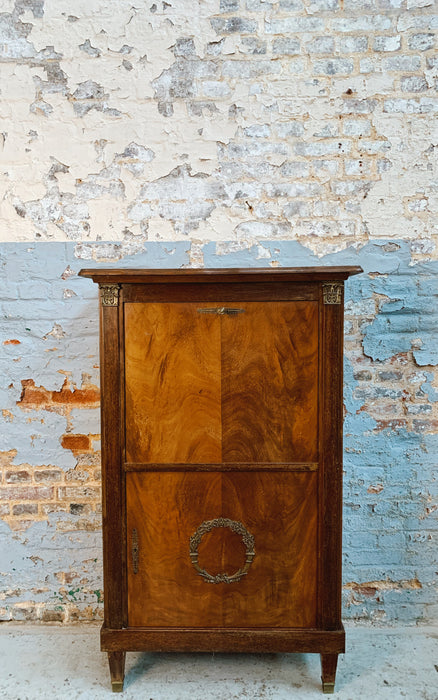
pixel 64 662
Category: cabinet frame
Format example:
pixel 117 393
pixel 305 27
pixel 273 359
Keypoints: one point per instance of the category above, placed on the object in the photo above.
pixel 321 284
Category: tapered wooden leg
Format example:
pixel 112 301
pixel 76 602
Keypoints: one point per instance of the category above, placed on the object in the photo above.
pixel 328 672
pixel 117 670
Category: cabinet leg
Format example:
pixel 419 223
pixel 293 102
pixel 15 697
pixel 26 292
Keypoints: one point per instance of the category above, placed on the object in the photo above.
pixel 117 669
pixel 328 672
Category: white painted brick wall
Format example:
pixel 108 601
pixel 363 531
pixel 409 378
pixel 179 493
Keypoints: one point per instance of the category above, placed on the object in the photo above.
pixel 190 120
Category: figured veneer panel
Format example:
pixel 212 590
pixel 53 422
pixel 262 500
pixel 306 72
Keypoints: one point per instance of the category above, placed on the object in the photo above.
pixel 166 509
pixel 278 509
pixel 172 384
pixel 270 382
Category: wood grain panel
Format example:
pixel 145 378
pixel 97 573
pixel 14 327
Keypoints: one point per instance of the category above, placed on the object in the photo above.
pixel 166 509
pixel 172 379
pixel 279 510
pixel 269 383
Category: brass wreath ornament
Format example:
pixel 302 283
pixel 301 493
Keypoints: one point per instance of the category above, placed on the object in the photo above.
pixel 235 526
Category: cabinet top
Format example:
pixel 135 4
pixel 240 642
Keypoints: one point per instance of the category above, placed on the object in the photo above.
pixel 195 275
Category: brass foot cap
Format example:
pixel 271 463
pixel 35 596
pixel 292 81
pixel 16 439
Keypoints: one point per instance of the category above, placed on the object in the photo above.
pixel 117 686
pixel 328 688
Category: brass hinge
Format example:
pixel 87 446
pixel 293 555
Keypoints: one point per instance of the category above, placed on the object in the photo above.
pixel 332 292
pixel 134 550
pixel 221 311
pixel 109 294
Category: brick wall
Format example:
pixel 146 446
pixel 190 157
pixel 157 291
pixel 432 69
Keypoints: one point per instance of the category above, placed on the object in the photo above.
pixel 216 133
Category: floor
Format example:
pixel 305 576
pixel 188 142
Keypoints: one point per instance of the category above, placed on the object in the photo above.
pixel 65 662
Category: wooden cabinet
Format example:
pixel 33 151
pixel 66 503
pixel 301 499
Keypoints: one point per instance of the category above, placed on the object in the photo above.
pixel 222 461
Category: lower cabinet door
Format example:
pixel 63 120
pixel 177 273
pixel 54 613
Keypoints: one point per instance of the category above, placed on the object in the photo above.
pixel 222 549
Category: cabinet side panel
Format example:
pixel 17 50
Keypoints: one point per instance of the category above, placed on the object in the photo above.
pixel 269 382
pixel 172 384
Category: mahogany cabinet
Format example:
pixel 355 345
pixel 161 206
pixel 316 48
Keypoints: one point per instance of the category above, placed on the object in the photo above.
pixel 222 461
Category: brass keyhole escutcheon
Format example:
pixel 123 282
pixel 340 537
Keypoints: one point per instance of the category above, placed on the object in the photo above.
pixel 235 526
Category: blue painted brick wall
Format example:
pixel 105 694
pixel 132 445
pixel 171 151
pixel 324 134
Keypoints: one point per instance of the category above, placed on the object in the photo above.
pixel 50 533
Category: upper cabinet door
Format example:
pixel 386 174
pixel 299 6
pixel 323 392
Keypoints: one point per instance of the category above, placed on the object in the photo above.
pixel 172 384
pixel 206 386
pixel 269 382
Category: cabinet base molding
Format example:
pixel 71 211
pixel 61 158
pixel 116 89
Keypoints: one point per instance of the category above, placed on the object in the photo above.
pixel 325 642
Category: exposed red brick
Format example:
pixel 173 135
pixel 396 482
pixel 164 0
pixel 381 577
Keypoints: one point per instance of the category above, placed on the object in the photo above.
pixel 366 591
pixel 19 476
pixel 21 613
pixel 13 341
pixel 7 457
pixel 25 509
pixel 393 424
pixel 89 460
pixel 48 475
pixel 376 488
pixel 76 443
pixel 370 588
pixel 425 426
pixel 78 475
pixel 26 493
pixel 53 616
pixel 38 397
pixel 47 508
pixel 79 509
pixel 78 493
pixel 32 395
pixel 88 395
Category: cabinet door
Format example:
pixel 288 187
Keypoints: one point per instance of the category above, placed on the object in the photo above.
pixel 203 387
pixel 269 386
pixel 218 516
pixel 172 384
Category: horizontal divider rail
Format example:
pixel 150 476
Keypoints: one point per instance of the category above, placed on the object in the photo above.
pixel 221 467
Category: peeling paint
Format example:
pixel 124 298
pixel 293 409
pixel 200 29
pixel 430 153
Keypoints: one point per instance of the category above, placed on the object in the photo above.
pixel 212 93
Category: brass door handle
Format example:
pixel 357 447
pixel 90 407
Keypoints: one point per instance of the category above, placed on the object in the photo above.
pixel 221 311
